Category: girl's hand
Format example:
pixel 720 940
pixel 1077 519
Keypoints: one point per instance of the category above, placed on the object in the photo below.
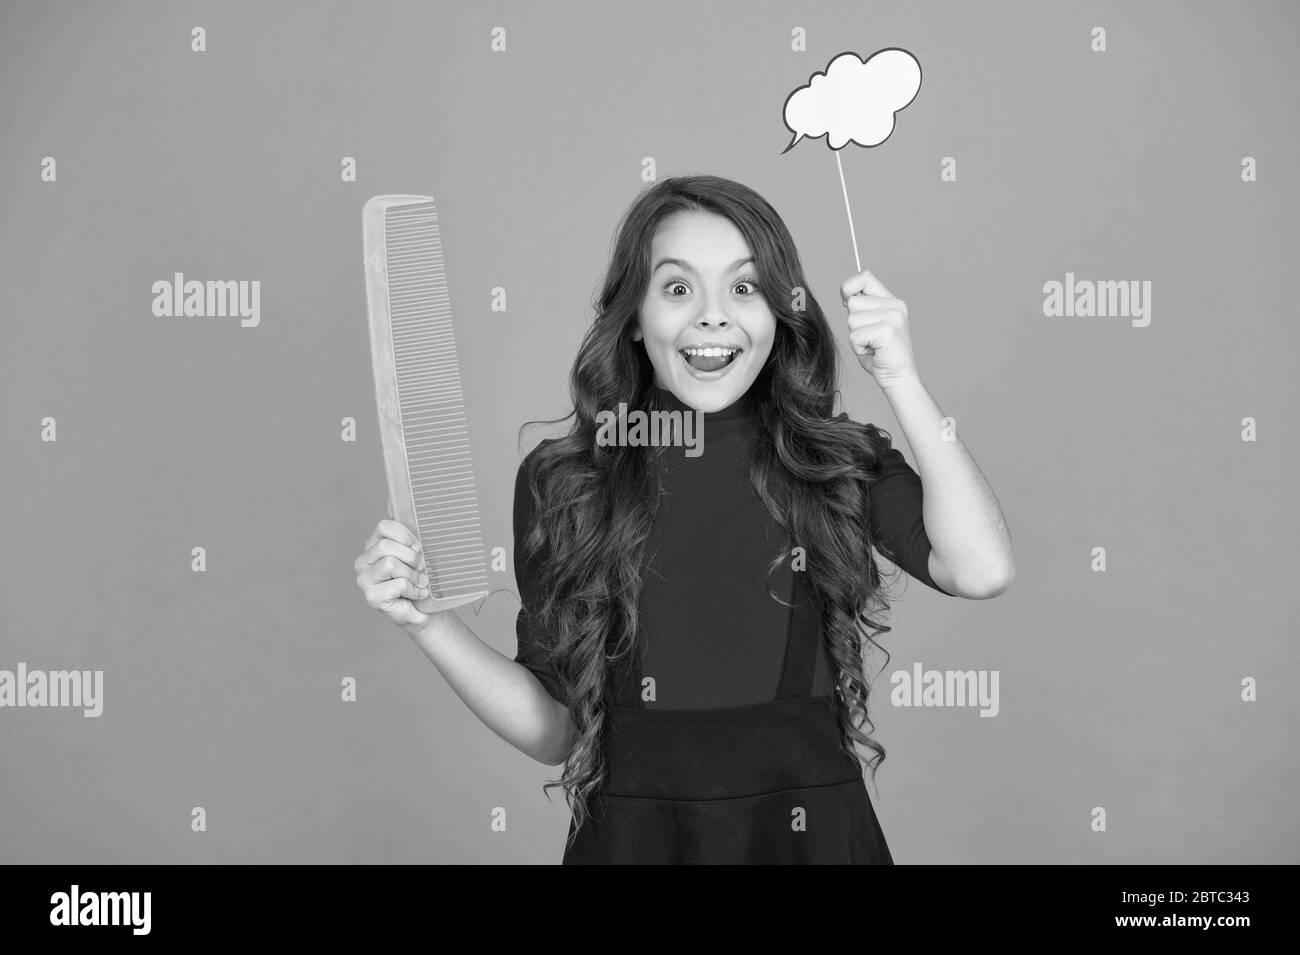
pixel 878 330
pixel 391 574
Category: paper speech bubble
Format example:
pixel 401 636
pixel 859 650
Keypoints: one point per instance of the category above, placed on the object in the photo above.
pixel 854 100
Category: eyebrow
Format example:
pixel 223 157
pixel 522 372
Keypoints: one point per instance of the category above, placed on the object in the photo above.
pixel 687 266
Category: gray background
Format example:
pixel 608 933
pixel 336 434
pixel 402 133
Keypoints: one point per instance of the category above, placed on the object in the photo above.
pixel 1118 689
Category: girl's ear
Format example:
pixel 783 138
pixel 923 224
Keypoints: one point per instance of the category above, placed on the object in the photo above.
pixel 636 334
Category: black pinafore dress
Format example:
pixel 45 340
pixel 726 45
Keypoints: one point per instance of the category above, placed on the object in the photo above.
pixel 760 783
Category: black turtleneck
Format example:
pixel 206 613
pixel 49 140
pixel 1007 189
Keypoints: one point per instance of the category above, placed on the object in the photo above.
pixel 712 635
pixel 742 409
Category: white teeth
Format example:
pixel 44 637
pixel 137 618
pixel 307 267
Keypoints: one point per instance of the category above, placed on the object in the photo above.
pixel 711 352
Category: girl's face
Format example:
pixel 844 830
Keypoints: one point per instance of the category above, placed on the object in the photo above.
pixel 707 329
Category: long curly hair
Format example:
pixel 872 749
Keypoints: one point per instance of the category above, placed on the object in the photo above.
pixel 595 504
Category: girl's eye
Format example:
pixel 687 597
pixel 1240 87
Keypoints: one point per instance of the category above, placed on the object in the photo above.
pixel 676 283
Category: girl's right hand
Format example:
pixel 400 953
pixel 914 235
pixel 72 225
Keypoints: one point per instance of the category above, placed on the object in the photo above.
pixel 391 573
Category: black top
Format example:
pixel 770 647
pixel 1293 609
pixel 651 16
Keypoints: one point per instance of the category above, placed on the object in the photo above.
pixel 707 571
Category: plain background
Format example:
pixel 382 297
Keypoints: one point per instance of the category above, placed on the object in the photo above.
pixel 222 689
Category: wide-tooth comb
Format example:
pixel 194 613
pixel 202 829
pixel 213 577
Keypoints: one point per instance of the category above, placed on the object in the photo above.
pixel 418 393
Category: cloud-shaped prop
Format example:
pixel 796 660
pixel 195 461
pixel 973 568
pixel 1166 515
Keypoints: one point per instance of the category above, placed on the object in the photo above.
pixel 854 100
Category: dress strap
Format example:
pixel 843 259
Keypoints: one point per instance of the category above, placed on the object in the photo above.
pixel 802 638
pixel 626 678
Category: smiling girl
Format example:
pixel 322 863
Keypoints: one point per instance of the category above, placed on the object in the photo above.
pixel 693 630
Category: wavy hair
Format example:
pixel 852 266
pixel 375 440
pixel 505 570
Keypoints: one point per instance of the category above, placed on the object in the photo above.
pixel 595 505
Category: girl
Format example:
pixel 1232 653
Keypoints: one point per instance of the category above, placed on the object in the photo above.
pixel 691 637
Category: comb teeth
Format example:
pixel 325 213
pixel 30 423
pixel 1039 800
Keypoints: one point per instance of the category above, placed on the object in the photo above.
pixel 431 403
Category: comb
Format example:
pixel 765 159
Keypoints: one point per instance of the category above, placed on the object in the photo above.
pixel 422 422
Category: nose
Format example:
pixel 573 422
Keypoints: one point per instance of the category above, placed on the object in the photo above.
pixel 712 318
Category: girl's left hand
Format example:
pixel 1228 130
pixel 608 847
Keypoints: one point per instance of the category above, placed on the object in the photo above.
pixel 878 330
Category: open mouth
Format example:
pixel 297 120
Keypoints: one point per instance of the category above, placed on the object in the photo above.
pixel 706 360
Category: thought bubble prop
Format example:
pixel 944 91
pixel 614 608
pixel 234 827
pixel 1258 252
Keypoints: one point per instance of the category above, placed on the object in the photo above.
pixel 853 101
